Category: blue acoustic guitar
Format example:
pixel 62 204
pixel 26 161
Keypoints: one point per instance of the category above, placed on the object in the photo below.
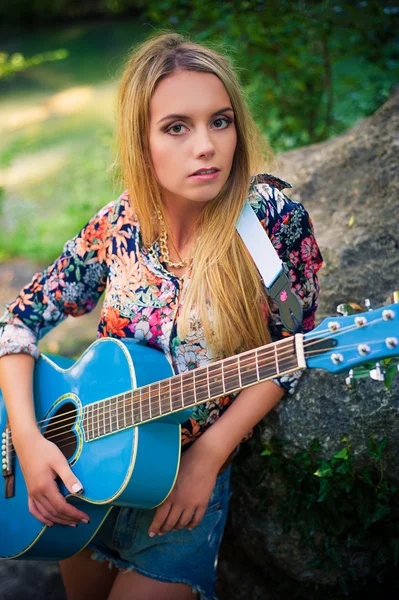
pixel 116 414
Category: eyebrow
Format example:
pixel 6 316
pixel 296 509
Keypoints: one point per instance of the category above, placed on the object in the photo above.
pixel 187 117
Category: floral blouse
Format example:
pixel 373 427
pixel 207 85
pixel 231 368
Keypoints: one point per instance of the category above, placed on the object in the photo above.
pixel 142 298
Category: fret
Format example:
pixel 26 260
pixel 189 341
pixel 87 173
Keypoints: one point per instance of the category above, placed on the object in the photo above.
pixel 112 416
pixel 124 411
pixel 266 363
pixel 239 371
pixel 176 398
pixel 93 434
pixel 207 381
pixel 248 370
pixel 170 394
pixel 231 374
pixel 98 418
pixel 86 422
pixel 181 390
pixel 189 397
pixel 257 366
pixel 286 355
pixel 223 382
pixel 201 385
pixel 194 389
pixel 159 398
pixel 117 413
pixel 141 408
pixel 276 359
pixel 215 381
pixel 145 403
pixel 105 418
pixel 154 400
pixel 135 406
pixel 164 396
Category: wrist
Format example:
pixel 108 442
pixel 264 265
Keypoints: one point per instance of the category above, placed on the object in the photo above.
pixel 24 434
pixel 211 451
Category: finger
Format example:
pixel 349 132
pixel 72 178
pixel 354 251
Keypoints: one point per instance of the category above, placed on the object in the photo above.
pixel 49 511
pixel 185 518
pixel 63 509
pixel 36 513
pixel 68 477
pixel 160 515
pixel 171 520
pixel 197 518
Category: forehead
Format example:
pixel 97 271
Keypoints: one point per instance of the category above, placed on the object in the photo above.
pixel 188 92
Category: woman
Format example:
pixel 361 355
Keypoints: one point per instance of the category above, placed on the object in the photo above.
pixel 177 276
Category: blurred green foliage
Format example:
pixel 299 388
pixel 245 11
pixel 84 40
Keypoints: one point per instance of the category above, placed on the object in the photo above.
pixel 11 64
pixel 310 68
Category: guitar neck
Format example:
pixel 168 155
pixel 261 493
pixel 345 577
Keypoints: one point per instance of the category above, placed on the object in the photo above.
pixel 194 387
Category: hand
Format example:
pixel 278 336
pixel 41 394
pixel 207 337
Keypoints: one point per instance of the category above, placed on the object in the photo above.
pixel 186 504
pixel 41 463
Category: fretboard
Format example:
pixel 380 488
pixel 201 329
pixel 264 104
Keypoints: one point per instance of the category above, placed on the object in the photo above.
pixel 186 390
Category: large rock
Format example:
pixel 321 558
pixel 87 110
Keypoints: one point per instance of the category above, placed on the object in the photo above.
pixel 350 186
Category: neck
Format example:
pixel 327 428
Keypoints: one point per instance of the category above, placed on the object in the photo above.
pixel 182 218
pixel 179 392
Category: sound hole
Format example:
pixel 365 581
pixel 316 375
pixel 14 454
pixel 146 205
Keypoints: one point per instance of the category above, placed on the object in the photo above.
pixel 59 429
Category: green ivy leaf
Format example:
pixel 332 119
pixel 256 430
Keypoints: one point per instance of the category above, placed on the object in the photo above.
pixel 342 454
pixel 324 470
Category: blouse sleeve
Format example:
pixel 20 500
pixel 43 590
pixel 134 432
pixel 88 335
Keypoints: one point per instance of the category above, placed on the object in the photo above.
pixel 71 285
pixel 292 235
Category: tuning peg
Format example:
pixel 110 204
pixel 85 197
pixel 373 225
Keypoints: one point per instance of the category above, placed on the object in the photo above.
pixel 350 380
pixel 395 297
pixel 377 374
pixel 367 304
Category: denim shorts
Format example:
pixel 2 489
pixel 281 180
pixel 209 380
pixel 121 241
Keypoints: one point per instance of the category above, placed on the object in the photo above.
pixel 179 556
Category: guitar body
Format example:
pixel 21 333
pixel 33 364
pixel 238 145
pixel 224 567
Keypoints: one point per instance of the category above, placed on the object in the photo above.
pixel 136 467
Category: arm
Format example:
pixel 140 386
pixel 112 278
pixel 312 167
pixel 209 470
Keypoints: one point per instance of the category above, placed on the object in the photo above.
pixel 49 298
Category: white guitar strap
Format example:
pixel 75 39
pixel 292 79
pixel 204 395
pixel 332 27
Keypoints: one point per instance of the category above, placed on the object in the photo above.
pixel 272 270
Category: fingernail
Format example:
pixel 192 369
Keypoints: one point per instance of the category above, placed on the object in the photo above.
pixel 151 534
pixel 85 521
pixel 160 533
pixel 72 525
pixel 76 488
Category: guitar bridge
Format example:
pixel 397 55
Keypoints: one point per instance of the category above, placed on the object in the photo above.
pixel 8 463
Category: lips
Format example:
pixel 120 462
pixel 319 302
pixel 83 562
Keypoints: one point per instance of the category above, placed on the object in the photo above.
pixel 204 169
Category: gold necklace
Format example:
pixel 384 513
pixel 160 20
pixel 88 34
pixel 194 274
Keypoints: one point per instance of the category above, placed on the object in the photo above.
pixel 163 246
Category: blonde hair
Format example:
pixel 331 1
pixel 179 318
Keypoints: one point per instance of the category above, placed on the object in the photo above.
pixel 224 277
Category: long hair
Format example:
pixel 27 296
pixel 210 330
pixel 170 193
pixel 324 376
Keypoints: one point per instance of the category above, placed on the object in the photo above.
pixel 225 289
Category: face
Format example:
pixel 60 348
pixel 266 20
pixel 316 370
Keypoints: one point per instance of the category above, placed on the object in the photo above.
pixel 191 128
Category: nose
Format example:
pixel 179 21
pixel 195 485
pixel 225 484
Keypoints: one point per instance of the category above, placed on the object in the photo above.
pixel 203 143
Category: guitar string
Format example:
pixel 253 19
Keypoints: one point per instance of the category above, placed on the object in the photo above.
pixel 78 414
pixel 243 354
pixel 50 422
pixel 263 354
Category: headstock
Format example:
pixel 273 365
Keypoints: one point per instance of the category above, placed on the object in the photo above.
pixel 359 342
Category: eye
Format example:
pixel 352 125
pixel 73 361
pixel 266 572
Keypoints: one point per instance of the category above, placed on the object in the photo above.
pixel 173 127
pixel 226 119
